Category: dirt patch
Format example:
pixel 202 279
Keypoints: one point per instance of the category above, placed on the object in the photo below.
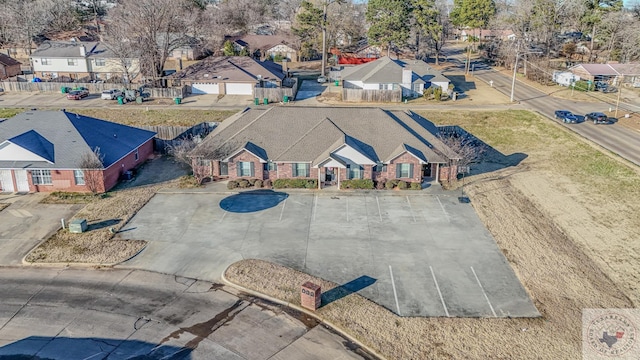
pixel 98 245
pixel 572 245
pixel 164 117
pixel 3 206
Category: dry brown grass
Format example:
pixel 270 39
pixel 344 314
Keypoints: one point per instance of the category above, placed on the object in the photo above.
pixel 164 117
pixel 98 245
pixel 62 197
pixel 572 245
pixel 3 206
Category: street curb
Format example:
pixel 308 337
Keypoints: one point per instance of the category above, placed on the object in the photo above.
pixel 318 317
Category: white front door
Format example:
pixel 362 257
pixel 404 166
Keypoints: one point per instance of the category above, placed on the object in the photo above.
pixel 6 181
pixel 21 180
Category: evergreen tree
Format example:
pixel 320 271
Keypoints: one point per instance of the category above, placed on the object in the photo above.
pixel 389 22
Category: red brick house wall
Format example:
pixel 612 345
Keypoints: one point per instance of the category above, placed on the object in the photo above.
pixel 112 173
pixel 245 156
pixel 7 71
pixel 404 159
pixel 62 180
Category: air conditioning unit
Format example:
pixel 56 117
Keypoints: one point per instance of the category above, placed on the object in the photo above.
pixel 78 226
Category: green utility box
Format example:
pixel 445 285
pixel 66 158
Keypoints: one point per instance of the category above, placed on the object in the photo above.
pixel 78 226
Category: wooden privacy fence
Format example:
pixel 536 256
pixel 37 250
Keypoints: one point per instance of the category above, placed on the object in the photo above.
pixel 372 95
pixel 277 94
pixel 55 87
pixel 167 136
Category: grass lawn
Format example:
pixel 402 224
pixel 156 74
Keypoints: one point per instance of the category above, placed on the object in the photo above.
pixel 7 113
pixel 163 117
pixel 573 246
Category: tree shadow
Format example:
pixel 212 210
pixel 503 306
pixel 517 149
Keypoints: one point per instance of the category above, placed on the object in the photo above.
pixel 460 83
pixel 349 288
pixel 252 201
pixel 102 224
pixel 156 171
pixel 50 348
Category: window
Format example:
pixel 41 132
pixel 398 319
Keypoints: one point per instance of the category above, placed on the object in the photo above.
pixel 380 167
pixel 203 162
pixel 355 171
pixel 78 175
pixel 46 61
pixel 245 168
pixel 100 62
pixel 41 177
pixel 300 169
pixel 416 87
pixel 136 155
pixel 72 62
pixel 384 86
pixel 270 166
pixel 404 171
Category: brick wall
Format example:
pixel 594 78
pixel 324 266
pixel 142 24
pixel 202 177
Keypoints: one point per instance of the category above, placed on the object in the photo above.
pixel 245 156
pixel 404 159
pixel 62 180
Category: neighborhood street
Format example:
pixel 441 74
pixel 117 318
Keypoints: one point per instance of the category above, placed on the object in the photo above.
pixel 72 314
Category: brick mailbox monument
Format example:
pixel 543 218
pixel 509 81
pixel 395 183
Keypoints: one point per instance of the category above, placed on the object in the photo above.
pixel 310 296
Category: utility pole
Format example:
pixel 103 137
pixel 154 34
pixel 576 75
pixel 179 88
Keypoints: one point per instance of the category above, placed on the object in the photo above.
pixel 325 4
pixel 619 92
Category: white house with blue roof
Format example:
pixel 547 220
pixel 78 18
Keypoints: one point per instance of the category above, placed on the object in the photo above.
pixel 42 151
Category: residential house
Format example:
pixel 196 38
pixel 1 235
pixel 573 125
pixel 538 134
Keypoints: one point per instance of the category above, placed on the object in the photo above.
pixel 267 47
pixel 387 74
pixel 8 67
pixel 42 151
pixel 486 34
pixel 80 61
pixel 190 48
pixel 231 75
pixel 611 73
pixel 328 144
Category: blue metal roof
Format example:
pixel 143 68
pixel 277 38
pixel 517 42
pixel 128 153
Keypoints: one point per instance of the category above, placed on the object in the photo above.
pixel 35 143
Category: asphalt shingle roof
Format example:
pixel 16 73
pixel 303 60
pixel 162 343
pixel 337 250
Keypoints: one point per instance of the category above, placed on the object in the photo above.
pixel 71 49
pixel 386 70
pixel 230 68
pixel 8 61
pixel 70 136
pixel 308 134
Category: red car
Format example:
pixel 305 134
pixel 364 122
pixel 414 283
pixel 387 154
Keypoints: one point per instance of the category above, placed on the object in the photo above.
pixel 78 94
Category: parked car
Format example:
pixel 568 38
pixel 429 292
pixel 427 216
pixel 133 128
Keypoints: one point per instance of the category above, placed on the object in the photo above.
pixel 566 116
pixel 111 94
pixel 322 79
pixel 78 94
pixel 597 118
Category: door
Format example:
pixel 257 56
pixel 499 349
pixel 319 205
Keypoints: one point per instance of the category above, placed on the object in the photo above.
pixel 6 181
pixel 426 170
pixel 224 168
pixel 329 174
pixel 239 89
pixel 201 88
pixel 21 180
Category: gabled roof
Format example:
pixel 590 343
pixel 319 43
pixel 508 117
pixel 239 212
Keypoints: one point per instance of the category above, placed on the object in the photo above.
pixel 386 70
pixel 263 42
pixel 35 143
pixel 310 134
pixel 8 61
pixel 597 69
pixel 71 49
pixel 64 138
pixel 229 69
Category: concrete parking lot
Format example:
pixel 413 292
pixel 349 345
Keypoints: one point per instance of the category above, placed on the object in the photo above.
pixel 26 222
pixel 420 254
pixel 67 314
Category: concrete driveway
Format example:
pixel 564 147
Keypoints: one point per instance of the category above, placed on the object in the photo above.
pixel 26 222
pixel 420 254
pixel 121 314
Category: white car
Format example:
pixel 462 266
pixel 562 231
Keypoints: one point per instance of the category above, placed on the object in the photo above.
pixel 111 94
pixel 322 79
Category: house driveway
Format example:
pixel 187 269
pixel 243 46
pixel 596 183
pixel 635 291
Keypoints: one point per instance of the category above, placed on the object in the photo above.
pixel 26 222
pixel 417 254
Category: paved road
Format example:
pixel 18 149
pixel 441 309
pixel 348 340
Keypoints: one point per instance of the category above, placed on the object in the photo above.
pixel 71 314
pixel 618 139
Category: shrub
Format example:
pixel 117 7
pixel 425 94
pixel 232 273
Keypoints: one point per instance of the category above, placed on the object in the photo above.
pixel 357 184
pixel 267 183
pixel 380 184
pixel 232 184
pixel 252 181
pixel 582 85
pixel 295 184
pixel 257 183
pixel 243 184
pixel 437 93
pixel 416 186
pixel 389 185
pixel 395 182
pixel 402 185
pixel 311 184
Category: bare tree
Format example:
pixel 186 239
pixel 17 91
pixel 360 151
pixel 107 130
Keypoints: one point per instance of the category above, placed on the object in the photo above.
pixel 91 164
pixel 157 27
pixel 28 19
pixel 199 155
pixel 125 50
pixel 469 150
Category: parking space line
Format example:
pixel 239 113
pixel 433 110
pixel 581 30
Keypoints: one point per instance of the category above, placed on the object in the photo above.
pixel 443 210
pixel 483 293
pixel 379 211
pixel 347 208
pixel 439 293
pixel 224 213
pixel 284 203
pixel 395 294
pixel 411 209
